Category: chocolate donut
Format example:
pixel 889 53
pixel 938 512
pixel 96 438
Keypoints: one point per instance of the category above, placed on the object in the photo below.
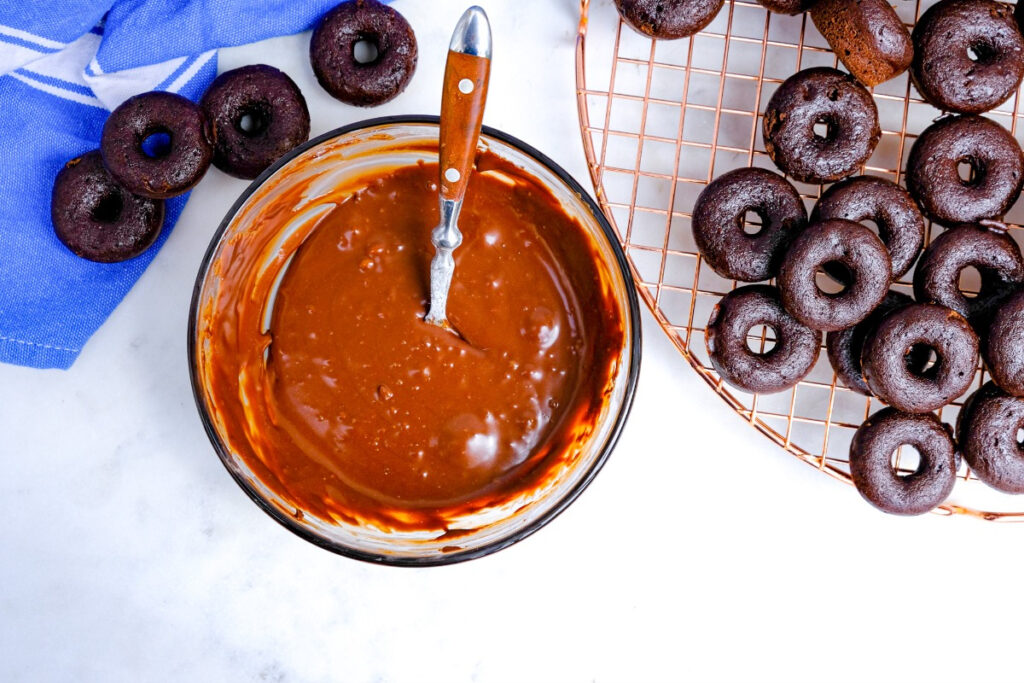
pixel 98 219
pixel 995 159
pixel 718 218
pixel 332 52
pixel 867 36
pixel 870 198
pixel 171 171
pixel 876 479
pixel 834 243
pixel 844 346
pixel 945 38
pixel 987 431
pixel 257 114
pixel 668 19
pixel 786 6
pixel 793 356
pixel 1003 347
pixel 993 252
pixel 820 96
pixel 895 381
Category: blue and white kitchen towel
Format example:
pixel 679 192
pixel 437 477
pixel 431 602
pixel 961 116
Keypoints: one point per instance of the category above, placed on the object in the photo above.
pixel 63 65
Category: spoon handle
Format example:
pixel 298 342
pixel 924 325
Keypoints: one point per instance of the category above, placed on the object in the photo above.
pixel 462 102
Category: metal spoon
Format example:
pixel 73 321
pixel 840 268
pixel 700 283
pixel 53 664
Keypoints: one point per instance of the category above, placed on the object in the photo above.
pixel 462 111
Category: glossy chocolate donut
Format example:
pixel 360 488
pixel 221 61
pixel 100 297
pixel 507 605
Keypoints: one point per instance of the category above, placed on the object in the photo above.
pixel 274 109
pixel 98 219
pixel 987 431
pixel 889 206
pixel 718 217
pixel 741 310
pixel 787 6
pixel 820 96
pixel 834 243
pixel 668 19
pixel 946 36
pixel 996 164
pixel 168 172
pixel 871 466
pixel 1003 347
pixel 332 52
pixel 868 37
pixel 896 382
pixel 844 346
pixel 993 252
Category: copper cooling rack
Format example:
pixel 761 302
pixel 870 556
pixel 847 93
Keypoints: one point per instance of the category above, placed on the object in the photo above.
pixel 661 119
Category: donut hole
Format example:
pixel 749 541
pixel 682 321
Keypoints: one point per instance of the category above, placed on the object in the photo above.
pixel 970 170
pixel 905 461
pixel 108 209
pixel 157 143
pixel 252 120
pixel 366 50
pixel 753 223
pixel 969 282
pixel 922 360
pixel 826 129
pixel 833 278
pixel 1020 437
pixel 981 52
pixel 762 339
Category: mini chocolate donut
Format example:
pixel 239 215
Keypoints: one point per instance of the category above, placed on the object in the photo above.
pixel 793 356
pixel 993 252
pixel 171 171
pixel 968 55
pixel 1003 347
pixel 895 381
pixel 841 244
pixel 995 160
pixel 820 96
pixel 668 19
pixel 844 346
pixel 987 431
pixel 718 223
pixel 787 6
pixel 871 466
pixel 870 198
pixel 868 37
pixel 98 219
pixel 274 109
pixel 332 52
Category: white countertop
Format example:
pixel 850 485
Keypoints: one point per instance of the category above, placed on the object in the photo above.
pixel 701 552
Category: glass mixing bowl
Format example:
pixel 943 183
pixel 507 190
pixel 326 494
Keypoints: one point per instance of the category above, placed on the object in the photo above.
pixel 347 153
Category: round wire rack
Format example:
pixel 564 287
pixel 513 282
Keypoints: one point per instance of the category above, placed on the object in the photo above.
pixel 661 119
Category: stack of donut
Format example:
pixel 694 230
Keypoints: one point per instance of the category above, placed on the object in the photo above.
pixel 916 354
pixel 108 204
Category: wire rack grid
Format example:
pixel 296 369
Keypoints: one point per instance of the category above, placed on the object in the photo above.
pixel 661 119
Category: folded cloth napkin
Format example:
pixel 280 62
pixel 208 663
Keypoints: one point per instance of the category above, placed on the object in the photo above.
pixel 63 65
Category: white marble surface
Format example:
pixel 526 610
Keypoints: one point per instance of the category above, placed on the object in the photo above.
pixel 701 552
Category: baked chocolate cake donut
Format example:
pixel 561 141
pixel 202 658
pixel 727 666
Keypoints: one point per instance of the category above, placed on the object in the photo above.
pixel 842 244
pixel 871 466
pixel 835 101
pixel 153 172
pixel 996 165
pixel 993 252
pixel 987 430
pixel 718 217
pixel 98 219
pixel 867 36
pixel 786 6
pixel 786 363
pixel 844 346
pixel 1003 347
pixel 332 52
pixel 889 206
pixel 668 19
pixel 968 55
pixel 257 114
pixel 910 329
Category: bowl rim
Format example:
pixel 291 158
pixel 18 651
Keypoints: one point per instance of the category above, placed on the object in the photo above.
pixel 621 417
